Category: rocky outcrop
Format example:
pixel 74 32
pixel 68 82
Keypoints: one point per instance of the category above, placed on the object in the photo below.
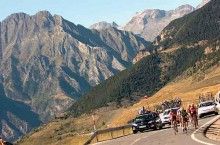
pixel 141 54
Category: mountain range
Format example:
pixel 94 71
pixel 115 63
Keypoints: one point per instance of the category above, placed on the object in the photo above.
pixel 187 53
pixel 149 23
pixel 47 63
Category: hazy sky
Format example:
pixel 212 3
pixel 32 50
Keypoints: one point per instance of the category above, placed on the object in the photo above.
pixel 87 12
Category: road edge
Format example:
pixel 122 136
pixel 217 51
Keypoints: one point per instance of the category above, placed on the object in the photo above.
pixel 201 132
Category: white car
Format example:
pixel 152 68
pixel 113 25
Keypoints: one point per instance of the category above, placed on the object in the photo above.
pixel 165 116
pixel 207 108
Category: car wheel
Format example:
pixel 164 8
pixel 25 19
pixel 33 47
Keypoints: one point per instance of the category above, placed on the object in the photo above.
pixel 200 116
pixel 135 131
pixel 155 127
pixel 160 126
pixel 216 113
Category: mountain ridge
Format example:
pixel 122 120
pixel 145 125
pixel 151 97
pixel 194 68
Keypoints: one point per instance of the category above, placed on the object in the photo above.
pixel 48 62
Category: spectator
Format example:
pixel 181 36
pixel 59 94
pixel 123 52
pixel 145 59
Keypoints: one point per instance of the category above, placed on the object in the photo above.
pixel 142 110
pixel 169 104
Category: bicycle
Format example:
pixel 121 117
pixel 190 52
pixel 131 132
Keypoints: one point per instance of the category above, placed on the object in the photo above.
pixel 175 128
pixel 185 122
pixel 195 121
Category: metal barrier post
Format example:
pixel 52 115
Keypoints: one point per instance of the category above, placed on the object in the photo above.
pixel 111 135
pixel 97 140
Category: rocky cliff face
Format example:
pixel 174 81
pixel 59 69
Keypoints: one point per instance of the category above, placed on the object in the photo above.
pixel 103 25
pixel 47 63
pixel 150 23
pixel 17 118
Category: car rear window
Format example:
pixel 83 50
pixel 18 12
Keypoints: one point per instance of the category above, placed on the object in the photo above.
pixel 143 117
pixel 206 104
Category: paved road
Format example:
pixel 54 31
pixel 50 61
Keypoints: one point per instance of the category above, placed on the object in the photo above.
pixel 162 137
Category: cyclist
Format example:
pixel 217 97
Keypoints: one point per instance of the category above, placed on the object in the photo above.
pixel 193 114
pixel 173 119
pixel 184 117
pixel 189 113
pixel 142 111
pixel 180 116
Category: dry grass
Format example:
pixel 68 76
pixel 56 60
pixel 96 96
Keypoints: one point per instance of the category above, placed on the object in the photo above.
pixel 70 131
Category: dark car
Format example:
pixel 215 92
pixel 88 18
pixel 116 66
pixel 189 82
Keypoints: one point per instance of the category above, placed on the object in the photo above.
pixel 146 122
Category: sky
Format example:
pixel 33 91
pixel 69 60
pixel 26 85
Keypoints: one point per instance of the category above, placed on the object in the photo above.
pixel 88 12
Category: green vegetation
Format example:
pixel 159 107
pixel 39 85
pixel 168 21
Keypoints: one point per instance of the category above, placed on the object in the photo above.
pixel 203 24
pixel 145 78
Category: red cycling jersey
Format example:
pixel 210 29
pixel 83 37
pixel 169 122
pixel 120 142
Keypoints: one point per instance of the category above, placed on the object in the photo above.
pixel 193 111
pixel 173 115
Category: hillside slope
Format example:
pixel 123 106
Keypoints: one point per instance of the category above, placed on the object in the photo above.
pixel 202 24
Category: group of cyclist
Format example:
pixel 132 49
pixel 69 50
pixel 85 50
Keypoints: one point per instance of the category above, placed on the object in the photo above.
pixel 184 116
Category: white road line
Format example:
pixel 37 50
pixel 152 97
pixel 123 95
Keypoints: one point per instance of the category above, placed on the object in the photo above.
pixel 200 141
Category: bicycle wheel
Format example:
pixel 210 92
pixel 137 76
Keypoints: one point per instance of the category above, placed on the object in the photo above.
pixel 195 121
pixel 175 128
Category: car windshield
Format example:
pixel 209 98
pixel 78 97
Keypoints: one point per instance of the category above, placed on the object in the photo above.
pixel 142 118
pixel 206 104
pixel 166 112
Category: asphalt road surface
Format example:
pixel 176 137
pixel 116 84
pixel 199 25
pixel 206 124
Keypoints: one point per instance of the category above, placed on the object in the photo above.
pixel 165 136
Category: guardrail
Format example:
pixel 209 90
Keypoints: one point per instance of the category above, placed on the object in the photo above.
pixel 110 133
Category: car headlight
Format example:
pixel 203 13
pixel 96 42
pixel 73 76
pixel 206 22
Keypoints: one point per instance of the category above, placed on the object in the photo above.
pixel 134 124
pixel 150 122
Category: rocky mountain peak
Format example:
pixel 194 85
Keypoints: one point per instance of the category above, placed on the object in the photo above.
pixel 16 17
pixel 151 22
pixel 103 25
pixel 43 13
pixel 181 11
pixel 184 9
pixel 153 14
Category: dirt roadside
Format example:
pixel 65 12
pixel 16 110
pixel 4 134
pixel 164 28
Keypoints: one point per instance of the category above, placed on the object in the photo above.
pixel 213 131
